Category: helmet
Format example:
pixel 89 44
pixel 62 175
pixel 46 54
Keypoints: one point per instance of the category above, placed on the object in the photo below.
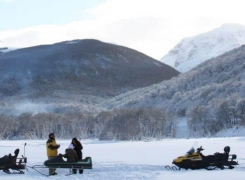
pixel 227 149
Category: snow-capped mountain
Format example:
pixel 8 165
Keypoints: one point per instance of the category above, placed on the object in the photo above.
pixel 192 51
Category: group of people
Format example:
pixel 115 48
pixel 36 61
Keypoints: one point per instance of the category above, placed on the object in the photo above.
pixel 73 153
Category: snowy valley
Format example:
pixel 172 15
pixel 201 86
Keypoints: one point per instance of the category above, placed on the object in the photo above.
pixel 117 160
pixel 122 90
pixel 92 84
pixel 136 133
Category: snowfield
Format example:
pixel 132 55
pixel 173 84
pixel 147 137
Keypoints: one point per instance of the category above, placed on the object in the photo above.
pixel 130 160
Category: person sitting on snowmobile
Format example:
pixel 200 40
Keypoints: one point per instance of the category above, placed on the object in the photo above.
pixel 70 154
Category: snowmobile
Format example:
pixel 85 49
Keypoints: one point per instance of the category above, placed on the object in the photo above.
pixel 196 160
pixel 59 162
pixel 8 162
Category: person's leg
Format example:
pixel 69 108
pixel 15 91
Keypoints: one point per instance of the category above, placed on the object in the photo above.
pixel 74 171
pixel 52 170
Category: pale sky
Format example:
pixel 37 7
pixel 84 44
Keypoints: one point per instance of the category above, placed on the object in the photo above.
pixel 152 27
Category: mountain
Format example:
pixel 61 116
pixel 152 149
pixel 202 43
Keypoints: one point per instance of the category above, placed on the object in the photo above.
pixel 206 101
pixel 211 85
pixel 192 51
pixel 75 73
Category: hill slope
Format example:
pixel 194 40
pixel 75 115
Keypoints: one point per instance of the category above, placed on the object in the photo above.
pixel 210 84
pixel 78 71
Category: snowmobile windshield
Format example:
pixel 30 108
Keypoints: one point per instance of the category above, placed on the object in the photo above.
pixel 191 151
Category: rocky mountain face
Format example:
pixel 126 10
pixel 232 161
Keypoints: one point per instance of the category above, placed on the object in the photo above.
pixel 81 71
pixel 192 51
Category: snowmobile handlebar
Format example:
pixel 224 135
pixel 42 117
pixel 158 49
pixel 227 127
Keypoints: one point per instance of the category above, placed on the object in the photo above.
pixel 200 149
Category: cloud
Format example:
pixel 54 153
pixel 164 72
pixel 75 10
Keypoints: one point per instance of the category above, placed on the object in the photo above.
pixel 150 26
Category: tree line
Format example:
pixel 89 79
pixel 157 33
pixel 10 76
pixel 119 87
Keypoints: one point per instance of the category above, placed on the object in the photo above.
pixel 204 120
pixel 121 124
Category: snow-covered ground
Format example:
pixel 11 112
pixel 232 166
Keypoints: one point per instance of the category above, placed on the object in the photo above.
pixel 131 160
pixel 182 131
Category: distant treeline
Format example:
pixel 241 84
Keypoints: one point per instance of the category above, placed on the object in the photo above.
pixel 124 124
pixel 204 120
pixel 133 124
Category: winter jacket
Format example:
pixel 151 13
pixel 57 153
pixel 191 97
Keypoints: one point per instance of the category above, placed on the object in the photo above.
pixel 51 148
pixel 78 148
pixel 71 155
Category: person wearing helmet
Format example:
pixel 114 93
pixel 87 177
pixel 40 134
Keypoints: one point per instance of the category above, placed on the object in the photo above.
pixel 52 150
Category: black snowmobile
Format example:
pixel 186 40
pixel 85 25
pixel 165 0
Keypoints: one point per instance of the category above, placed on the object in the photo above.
pixel 8 162
pixel 196 160
pixel 58 162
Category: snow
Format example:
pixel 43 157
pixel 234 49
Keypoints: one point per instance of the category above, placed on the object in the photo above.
pixel 182 130
pixel 72 42
pixel 130 160
pixel 195 50
pixel 232 132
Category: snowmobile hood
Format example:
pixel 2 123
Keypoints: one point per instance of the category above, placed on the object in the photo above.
pixel 192 157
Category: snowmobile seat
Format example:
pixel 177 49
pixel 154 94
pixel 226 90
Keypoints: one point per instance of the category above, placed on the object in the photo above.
pixel 211 158
pixel 9 159
pixel 57 159
pixel 217 157
pixel 5 159
pixel 224 156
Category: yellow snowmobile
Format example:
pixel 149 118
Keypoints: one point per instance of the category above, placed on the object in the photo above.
pixel 196 160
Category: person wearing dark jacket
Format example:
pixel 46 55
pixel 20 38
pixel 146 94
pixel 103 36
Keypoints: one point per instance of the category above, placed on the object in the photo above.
pixel 52 150
pixel 71 155
pixel 78 148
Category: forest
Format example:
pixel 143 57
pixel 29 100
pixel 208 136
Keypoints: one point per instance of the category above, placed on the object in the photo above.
pixel 133 124
pixel 123 124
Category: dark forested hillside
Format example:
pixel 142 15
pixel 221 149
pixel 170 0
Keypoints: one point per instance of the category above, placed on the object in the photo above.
pixel 76 72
